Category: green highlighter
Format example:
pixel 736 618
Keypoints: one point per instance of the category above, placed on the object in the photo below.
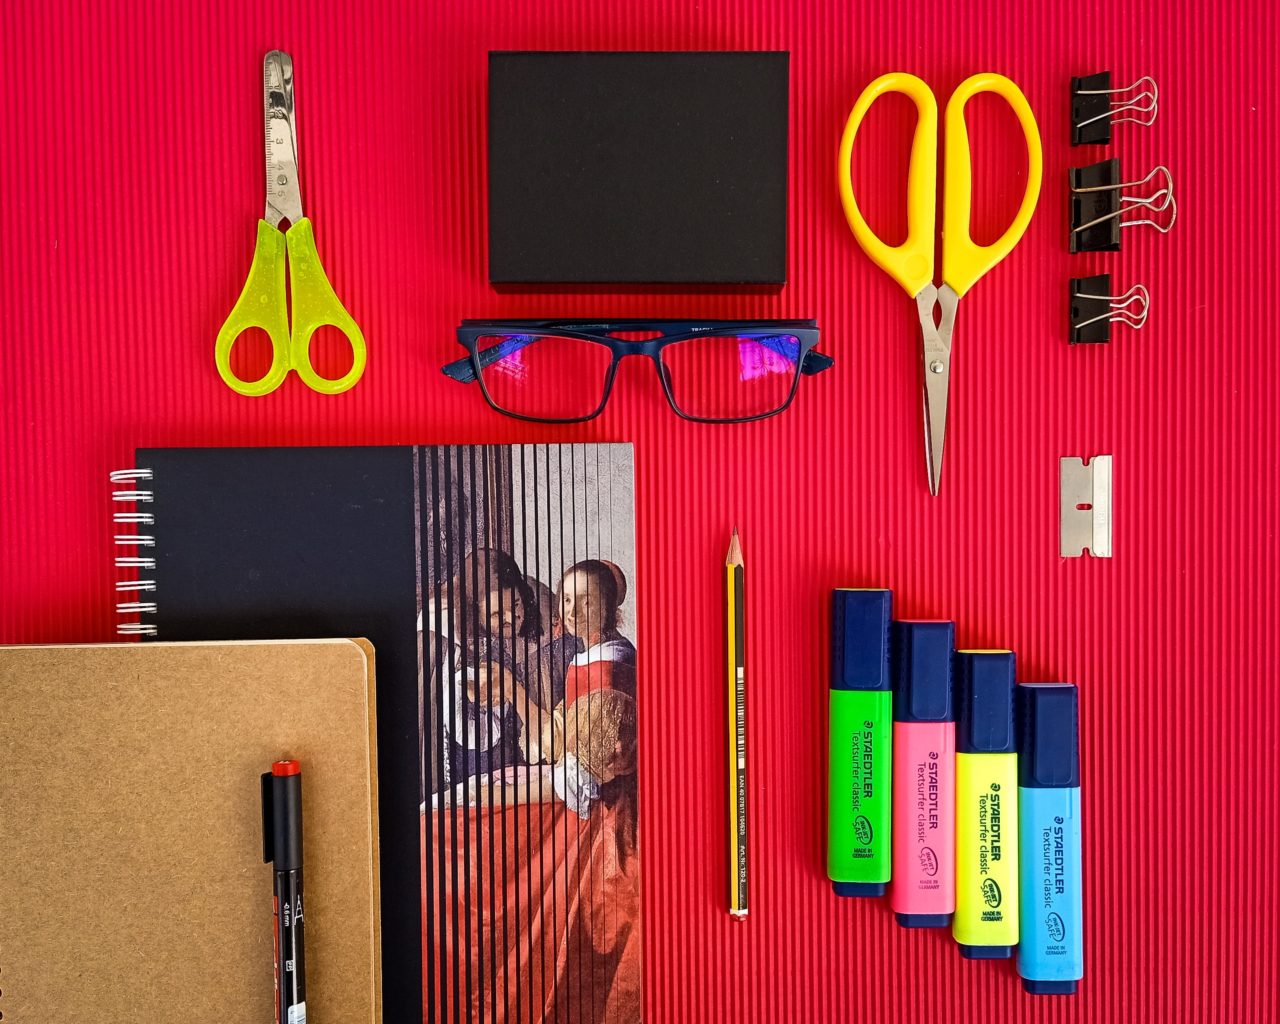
pixel 860 757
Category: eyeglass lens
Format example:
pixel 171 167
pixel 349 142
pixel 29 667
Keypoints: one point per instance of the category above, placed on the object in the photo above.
pixel 544 376
pixel 726 377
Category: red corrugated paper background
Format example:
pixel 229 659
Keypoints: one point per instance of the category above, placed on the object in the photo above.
pixel 132 178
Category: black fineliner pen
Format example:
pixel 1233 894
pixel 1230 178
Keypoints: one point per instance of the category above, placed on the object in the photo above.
pixel 282 846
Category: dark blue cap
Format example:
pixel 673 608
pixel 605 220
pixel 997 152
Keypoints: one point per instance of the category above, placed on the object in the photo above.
pixel 860 639
pixel 858 888
pixel 985 952
pixel 1049 988
pixel 922 671
pixel 984 682
pixel 1048 736
pixel 923 920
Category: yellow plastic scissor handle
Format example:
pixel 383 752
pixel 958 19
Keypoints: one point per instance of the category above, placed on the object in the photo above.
pixel 911 263
pixel 261 304
pixel 315 305
pixel 964 261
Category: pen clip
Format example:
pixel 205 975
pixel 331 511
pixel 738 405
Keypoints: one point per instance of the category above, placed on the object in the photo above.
pixel 268 816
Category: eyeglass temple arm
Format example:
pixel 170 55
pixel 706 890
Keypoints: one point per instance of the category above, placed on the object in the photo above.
pixel 816 362
pixel 462 370
pixel 813 361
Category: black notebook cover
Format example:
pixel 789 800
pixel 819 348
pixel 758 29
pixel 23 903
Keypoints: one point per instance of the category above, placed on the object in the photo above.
pixel 391 544
pixel 284 543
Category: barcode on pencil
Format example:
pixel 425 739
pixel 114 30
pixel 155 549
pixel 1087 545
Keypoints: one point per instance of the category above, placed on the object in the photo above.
pixel 740 703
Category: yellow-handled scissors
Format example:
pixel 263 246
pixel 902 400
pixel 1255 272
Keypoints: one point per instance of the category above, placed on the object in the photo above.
pixel 964 261
pixel 262 303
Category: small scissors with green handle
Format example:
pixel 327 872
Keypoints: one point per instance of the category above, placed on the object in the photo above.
pixel 262 303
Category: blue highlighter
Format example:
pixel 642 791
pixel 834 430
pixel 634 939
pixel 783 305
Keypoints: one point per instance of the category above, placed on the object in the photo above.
pixel 1051 951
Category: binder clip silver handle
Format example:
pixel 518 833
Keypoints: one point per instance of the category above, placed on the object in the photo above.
pixel 1094 309
pixel 1095 107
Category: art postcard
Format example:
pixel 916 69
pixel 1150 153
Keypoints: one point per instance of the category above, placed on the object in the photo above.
pixel 527 645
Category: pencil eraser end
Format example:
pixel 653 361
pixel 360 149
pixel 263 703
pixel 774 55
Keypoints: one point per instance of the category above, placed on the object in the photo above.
pixel 923 920
pixel 1049 988
pixel 282 769
pixel 986 952
pixel 858 888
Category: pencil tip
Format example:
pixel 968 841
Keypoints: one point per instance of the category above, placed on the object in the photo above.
pixel 734 557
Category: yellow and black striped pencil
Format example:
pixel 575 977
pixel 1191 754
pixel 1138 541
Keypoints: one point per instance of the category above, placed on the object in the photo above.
pixel 736 661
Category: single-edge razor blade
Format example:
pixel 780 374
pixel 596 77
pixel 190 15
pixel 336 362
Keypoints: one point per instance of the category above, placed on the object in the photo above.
pixel 1084 507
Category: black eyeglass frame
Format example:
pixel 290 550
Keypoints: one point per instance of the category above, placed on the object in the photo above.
pixel 599 332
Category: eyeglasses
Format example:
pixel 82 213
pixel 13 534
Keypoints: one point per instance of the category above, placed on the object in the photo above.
pixel 712 371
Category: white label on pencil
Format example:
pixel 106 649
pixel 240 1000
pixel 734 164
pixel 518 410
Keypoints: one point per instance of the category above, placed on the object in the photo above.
pixel 297 1014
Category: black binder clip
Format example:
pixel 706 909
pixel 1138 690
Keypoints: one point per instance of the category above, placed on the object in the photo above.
pixel 1094 309
pixel 1099 205
pixel 1095 107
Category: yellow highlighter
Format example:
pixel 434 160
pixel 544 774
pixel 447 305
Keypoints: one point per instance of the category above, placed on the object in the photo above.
pixel 986 918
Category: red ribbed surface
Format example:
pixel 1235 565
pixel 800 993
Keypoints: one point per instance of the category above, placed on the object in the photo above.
pixel 132 178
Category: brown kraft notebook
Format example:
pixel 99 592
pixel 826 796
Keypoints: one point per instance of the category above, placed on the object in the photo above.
pixel 132 885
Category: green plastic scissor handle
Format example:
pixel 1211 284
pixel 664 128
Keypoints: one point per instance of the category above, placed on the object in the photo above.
pixel 262 304
pixel 314 305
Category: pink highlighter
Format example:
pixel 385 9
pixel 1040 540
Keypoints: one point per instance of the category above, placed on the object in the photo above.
pixel 924 775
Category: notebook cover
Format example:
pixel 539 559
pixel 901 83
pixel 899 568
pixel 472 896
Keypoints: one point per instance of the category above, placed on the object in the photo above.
pixel 394 543
pixel 271 543
pixel 132 885
pixel 638 168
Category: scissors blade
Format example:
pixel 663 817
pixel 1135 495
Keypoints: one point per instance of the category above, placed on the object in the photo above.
pixel 936 351
pixel 284 193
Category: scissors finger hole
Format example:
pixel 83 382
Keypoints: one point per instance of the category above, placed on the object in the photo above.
pixel 330 352
pixel 251 355
pixel 999 155
pixel 879 163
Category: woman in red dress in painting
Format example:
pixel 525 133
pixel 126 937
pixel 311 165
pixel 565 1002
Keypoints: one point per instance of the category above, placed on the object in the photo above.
pixel 558 928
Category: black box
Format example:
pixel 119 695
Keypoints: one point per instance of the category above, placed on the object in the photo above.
pixel 638 168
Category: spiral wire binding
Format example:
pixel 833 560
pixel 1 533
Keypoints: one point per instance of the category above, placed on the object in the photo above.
pixel 127 492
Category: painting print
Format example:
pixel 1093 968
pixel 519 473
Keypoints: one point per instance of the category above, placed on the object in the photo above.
pixel 527 647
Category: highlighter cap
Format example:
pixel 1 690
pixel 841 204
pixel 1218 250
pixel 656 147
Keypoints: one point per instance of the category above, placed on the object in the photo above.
pixel 984 682
pixel 1049 988
pixel 1048 735
pixel 858 888
pixel 922 653
pixel 860 639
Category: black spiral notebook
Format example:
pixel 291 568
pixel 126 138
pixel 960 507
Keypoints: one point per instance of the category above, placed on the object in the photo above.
pixel 496 584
